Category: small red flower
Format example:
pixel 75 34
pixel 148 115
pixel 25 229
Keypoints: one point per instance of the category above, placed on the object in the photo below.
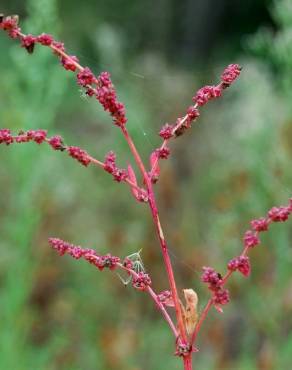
pixel 141 281
pixel 193 112
pixel 241 264
pixel 104 79
pixel 75 252
pixel 85 77
pixel 45 39
pixel 213 278
pixel 9 23
pixel 207 93
pixel 165 297
pixel 90 255
pixel 230 73
pixel 59 245
pixel 28 42
pixel 110 261
pixel 22 138
pixel 110 162
pixel 166 131
pixel 260 224
pixel 79 154
pixel 6 137
pixel 68 63
pixel 38 136
pixel 56 142
pixel 221 296
pixel 120 174
pixel 250 239
pixel 279 214
pixel 59 46
pixel 163 153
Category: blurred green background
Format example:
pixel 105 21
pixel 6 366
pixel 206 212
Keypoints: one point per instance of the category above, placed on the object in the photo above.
pixel 59 314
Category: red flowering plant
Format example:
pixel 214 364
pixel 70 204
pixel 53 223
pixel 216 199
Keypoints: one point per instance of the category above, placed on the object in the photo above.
pixel 183 319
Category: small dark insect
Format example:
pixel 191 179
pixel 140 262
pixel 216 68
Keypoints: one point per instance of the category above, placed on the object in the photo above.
pixel 30 48
pixel 179 131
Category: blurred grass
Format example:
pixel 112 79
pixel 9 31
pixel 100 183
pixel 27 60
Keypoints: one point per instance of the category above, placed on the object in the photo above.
pixel 34 102
pixel 231 167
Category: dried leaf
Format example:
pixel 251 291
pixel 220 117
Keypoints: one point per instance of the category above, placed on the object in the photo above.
pixel 190 311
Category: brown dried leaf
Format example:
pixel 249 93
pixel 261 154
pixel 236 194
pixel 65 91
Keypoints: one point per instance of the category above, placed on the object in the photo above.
pixel 190 311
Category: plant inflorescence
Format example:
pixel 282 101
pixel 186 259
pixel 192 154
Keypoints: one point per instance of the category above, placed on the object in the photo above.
pixel 185 322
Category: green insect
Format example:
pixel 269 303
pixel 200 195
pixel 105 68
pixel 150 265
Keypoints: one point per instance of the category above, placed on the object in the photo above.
pixel 137 266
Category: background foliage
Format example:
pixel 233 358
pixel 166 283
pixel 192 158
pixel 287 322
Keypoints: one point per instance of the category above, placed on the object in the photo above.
pixel 233 166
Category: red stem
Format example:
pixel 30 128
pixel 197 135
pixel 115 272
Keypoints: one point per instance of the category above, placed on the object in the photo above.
pixel 201 320
pixel 163 244
pixel 188 362
pixel 153 295
pixel 127 180
pixel 167 261
pixel 163 311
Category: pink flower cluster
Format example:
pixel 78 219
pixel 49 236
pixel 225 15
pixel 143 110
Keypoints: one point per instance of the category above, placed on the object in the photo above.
pixel 111 167
pixel 56 142
pixel 47 40
pixel 215 281
pixel 203 96
pixel 28 43
pixel 230 73
pixel 184 349
pixel 260 224
pixel 207 93
pixel 5 137
pixel 165 297
pixel 251 239
pixel 69 63
pixel 275 214
pixel 40 136
pixel 89 255
pixel 101 87
pixel 240 263
pixel 79 154
pixel 10 25
pixel 141 281
pixel 166 131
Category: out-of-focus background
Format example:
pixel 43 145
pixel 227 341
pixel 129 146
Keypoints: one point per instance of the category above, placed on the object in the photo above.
pixel 235 164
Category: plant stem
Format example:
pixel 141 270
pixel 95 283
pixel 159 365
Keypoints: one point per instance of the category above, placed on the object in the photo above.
pixel 201 320
pixel 163 311
pixel 188 362
pixel 163 244
pixel 153 295
pixel 167 261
